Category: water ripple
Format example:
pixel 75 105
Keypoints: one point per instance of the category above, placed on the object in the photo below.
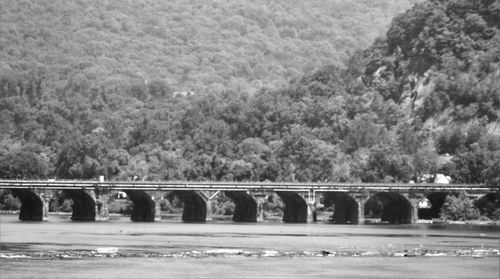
pixel 112 252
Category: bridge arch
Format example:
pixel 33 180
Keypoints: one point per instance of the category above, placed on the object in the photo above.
pixel 391 207
pixel 245 206
pixel 32 205
pixel 144 207
pixel 436 200
pixel 345 207
pixel 487 203
pixel 295 210
pixel 84 205
pixel 195 207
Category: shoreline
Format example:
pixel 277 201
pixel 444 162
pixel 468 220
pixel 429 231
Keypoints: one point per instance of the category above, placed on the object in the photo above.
pixel 469 222
pixel 168 216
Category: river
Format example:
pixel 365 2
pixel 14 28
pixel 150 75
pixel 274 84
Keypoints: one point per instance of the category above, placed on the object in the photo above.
pixel 119 248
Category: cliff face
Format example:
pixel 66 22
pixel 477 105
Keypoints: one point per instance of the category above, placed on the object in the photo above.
pixel 423 99
pixel 440 62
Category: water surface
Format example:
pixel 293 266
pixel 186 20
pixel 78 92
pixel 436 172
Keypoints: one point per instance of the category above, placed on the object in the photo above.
pixel 119 248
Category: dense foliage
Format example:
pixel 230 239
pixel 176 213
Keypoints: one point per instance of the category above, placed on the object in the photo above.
pixel 423 99
pixel 459 208
pixel 78 101
pixel 199 46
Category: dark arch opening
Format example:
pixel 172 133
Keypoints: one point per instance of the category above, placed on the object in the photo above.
pixel 195 207
pixel 436 200
pixel 390 207
pixel 144 207
pixel 245 209
pixel 295 210
pixel 31 205
pixel 345 207
pixel 84 206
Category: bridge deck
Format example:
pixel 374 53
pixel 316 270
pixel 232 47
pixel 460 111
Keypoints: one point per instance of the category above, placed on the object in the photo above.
pixel 238 186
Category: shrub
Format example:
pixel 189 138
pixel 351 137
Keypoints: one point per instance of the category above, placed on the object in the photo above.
pixel 9 202
pixel 496 215
pixel 121 207
pixel 459 208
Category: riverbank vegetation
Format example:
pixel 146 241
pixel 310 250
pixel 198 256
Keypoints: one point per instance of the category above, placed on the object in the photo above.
pixel 126 94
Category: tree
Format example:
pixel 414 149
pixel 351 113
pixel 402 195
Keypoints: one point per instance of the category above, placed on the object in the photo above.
pixel 23 163
pixel 386 165
pixel 8 201
pixel 83 156
pixel 491 173
pixel 424 161
pixel 459 208
pixel 363 131
pixel 451 140
pixel 489 205
pixel 469 166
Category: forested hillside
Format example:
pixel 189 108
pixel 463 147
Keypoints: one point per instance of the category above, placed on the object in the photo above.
pixel 440 62
pixel 186 46
pixel 424 98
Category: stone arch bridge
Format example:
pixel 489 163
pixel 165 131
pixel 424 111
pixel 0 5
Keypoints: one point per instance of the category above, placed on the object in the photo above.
pixel 400 201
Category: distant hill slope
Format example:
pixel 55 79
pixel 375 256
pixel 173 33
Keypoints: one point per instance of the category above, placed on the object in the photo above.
pixel 184 45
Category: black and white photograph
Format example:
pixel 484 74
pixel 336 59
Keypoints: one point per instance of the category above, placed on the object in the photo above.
pixel 250 139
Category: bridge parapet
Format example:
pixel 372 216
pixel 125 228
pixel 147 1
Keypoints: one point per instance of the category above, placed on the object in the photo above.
pixel 255 186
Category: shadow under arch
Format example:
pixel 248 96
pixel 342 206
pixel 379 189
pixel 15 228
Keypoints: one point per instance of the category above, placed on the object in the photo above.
pixel 488 203
pixel 84 205
pixel 245 206
pixel 345 207
pixel 31 205
pixel 492 197
pixel 295 210
pixel 394 207
pixel 195 207
pixel 143 206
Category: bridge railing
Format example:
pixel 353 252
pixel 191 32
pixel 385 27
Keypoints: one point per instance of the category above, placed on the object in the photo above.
pixel 237 186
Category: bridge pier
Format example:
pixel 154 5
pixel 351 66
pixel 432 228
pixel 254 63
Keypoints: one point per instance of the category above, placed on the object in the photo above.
pixel 310 200
pixel 414 210
pixel 361 201
pixel 46 196
pixel 260 199
pixel 311 210
pixel 209 196
pixel 414 198
pixel 102 200
pixel 157 198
